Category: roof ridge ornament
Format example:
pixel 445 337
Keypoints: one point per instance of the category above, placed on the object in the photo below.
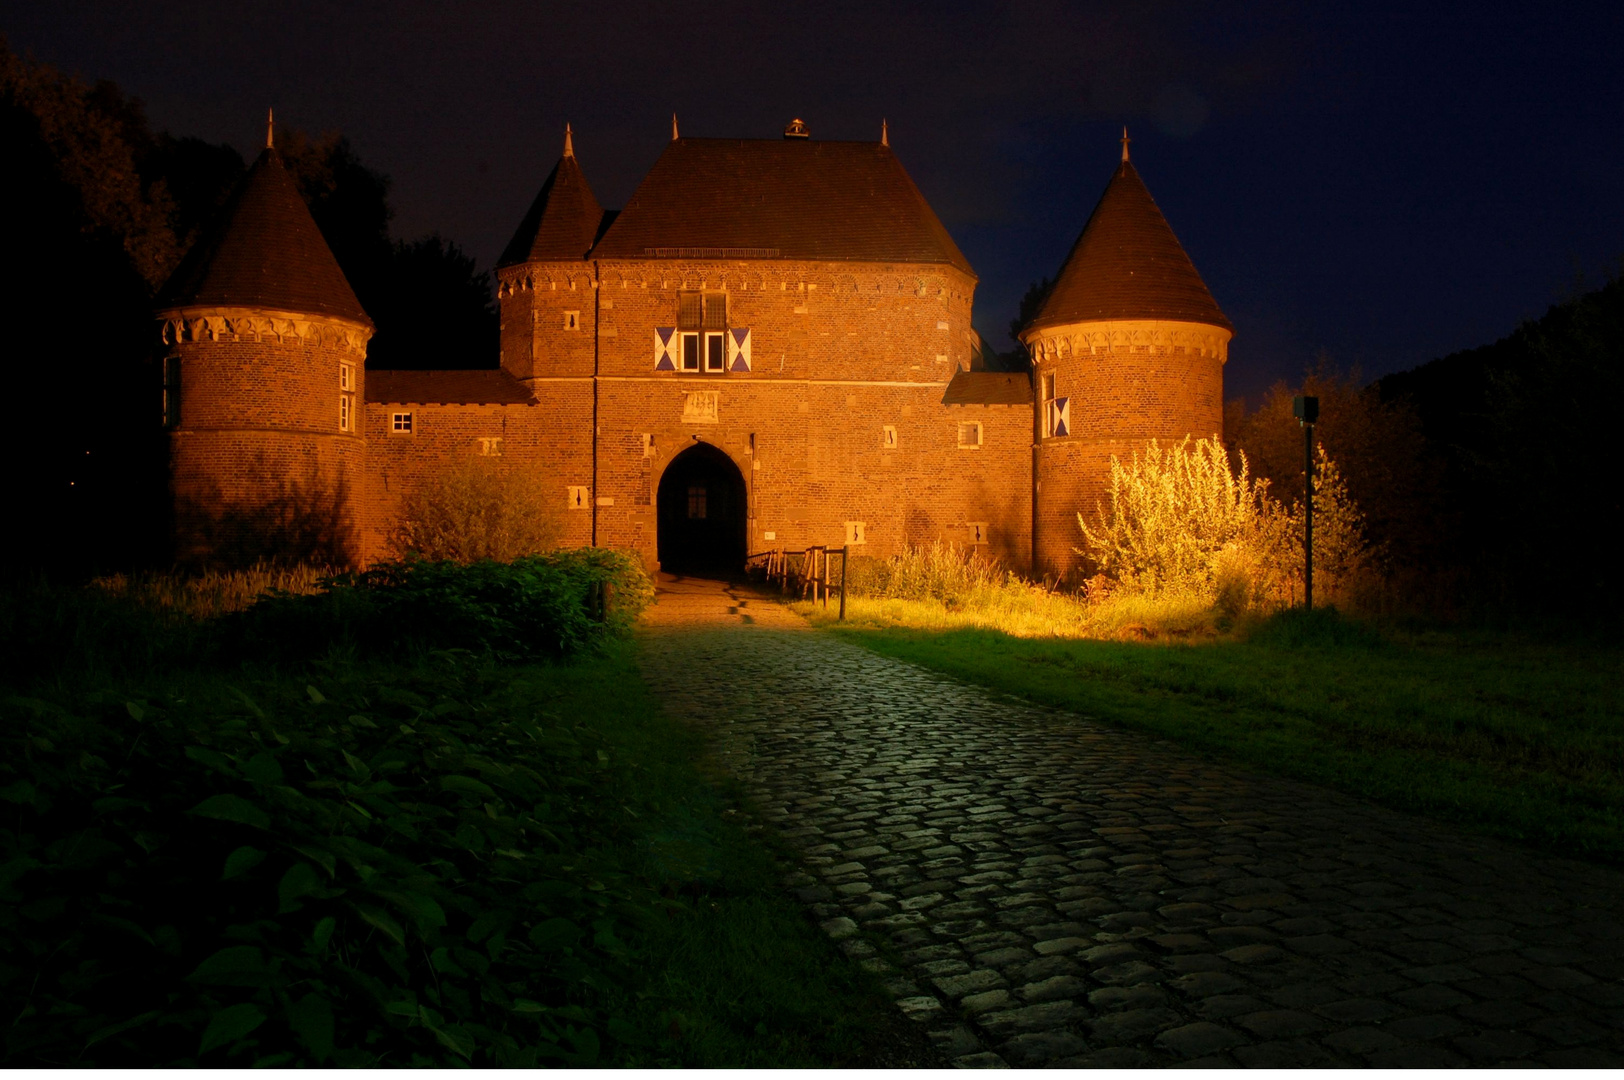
pixel 569 142
pixel 673 127
pixel 885 133
pixel 797 129
pixel 1125 142
pixel 270 129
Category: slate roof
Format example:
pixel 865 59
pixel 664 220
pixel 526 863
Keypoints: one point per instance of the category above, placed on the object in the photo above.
pixel 988 388
pixel 479 387
pixel 563 221
pixel 263 250
pixel 779 198
pixel 1127 264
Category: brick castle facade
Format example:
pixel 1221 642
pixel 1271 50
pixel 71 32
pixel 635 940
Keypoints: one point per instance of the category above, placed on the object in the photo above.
pixel 770 346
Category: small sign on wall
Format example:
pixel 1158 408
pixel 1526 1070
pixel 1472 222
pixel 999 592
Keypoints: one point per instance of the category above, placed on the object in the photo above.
pixel 701 407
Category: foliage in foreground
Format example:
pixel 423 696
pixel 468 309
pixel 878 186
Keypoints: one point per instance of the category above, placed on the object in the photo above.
pixel 369 863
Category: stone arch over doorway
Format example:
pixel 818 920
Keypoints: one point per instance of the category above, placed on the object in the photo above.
pixel 701 511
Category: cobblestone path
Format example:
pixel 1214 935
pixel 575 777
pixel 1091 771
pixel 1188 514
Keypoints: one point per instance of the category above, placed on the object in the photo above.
pixel 1053 892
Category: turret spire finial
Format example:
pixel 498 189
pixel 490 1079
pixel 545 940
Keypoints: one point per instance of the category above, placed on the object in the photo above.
pixel 885 133
pixel 270 129
pixel 673 127
pixel 1125 142
pixel 569 142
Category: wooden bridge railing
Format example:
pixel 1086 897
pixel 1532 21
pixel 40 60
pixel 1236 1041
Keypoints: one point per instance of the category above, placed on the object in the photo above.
pixel 807 572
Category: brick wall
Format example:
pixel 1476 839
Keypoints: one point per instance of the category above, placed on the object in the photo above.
pixel 259 464
pixel 552 438
pixel 1127 382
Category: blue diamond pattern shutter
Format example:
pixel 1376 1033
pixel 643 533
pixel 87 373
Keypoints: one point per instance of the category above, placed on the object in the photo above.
pixel 665 348
pixel 738 347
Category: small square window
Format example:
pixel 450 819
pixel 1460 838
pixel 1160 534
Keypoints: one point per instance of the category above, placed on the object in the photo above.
pixel 970 435
pixel 572 320
pixel 400 423
pixel 346 376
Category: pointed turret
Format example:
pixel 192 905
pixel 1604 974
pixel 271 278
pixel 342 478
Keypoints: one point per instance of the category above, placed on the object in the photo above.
pixel 264 251
pixel 563 221
pixel 1130 346
pixel 1127 264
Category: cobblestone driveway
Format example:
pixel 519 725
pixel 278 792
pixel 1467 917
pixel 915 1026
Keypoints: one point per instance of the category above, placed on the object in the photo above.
pixel 1059 893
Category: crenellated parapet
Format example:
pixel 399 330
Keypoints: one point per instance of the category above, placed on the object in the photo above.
pixel 243 324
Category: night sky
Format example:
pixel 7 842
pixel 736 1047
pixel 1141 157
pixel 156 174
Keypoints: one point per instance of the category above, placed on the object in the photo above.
pixel 1387 182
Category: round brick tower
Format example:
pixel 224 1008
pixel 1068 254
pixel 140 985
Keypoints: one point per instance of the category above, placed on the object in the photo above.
pixel 265 353
pixel 1130 346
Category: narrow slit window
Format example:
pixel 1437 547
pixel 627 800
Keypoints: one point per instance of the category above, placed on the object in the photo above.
pixel 345 407
pixel 172 392
pixel 690 351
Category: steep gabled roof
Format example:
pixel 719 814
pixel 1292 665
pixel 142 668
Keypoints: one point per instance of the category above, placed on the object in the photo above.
pixel 488 386
pixel 988 388
pixel 1127 264
pixel 563 221
pixel 779 198
pixel 264 250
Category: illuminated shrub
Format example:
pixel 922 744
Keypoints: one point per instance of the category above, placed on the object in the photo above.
pixel 1183 522
pixel 477 508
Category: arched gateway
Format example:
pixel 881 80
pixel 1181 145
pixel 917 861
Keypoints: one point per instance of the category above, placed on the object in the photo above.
pixel 702 509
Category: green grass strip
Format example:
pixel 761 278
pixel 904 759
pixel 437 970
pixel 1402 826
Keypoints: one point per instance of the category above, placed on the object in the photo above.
pixel 1514 738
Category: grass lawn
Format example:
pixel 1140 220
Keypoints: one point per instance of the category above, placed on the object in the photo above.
pixel 432 859
pixel 1507 735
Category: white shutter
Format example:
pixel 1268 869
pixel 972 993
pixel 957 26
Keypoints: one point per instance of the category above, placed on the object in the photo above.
pixel 738 349
pixel 665 348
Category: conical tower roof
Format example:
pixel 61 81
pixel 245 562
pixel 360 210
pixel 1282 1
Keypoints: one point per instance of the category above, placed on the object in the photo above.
pixel 1127 264
pixel 264 251
pixel 563 221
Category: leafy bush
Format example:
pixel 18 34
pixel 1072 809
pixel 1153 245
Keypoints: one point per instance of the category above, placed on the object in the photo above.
pixel 539 606
pixel 218 592
pixel 394 871
pixel 476 508
pixel 1183 523
pixel 1323 627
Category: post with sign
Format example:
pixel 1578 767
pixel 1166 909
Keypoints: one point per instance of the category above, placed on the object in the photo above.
pixel 1306 409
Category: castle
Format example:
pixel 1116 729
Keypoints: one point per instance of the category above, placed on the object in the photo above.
pixel 768 347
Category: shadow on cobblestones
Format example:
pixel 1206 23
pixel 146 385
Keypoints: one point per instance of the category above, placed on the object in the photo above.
pixel 1041 890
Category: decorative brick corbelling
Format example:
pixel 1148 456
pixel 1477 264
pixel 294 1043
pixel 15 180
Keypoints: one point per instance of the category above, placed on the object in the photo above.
pixel 1070 340
pixel 198 325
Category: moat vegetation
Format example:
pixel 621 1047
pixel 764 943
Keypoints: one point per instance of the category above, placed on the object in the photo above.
pixel 427 815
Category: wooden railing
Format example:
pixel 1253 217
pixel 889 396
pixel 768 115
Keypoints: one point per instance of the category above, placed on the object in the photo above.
pixel 806 572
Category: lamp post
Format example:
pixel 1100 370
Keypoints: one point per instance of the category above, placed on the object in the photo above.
pixel 1306 409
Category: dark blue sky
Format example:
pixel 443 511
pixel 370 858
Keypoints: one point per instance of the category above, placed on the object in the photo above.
pixel 1387 182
